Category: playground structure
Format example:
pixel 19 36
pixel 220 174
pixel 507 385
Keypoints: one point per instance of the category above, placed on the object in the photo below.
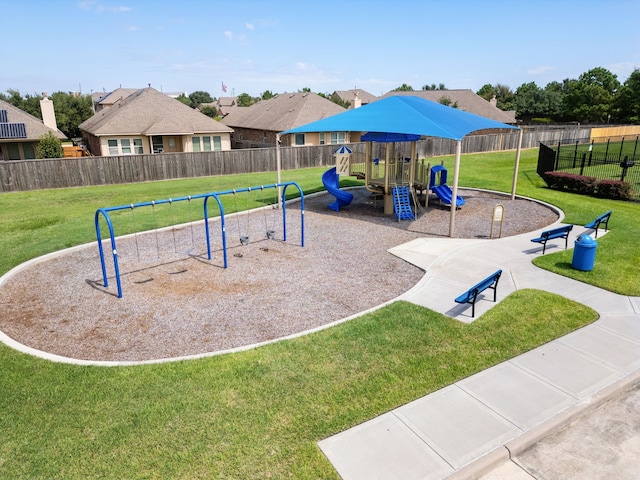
pixel 244 239
pixel 441 189
pixel 404 178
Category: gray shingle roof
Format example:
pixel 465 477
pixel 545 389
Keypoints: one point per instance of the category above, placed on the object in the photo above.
pixel 466 99
pixel 150 112
pixel 350 95
pixel 282 112
pixel 34 126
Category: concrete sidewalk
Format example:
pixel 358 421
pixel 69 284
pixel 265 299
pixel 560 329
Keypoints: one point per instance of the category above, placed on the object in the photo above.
pixel 484 421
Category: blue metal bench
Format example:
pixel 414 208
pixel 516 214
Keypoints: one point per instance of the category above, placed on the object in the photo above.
pixel 604 218
pixel 471 295
pixel 560 232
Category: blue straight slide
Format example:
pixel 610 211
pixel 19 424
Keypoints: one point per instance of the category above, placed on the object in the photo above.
pixel 331 181
pixel 444 193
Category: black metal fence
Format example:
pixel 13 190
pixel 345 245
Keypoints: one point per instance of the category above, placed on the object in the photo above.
pixel 607 164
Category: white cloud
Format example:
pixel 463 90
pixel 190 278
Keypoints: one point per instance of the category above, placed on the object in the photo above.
pixel 250 26
pixel 228 35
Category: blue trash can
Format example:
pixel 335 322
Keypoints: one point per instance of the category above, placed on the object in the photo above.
pixel 584 253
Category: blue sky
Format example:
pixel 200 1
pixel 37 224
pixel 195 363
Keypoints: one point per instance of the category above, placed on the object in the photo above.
pixel 284 46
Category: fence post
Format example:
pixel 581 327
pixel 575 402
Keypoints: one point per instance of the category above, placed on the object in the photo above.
pixel 606 152
pixel 621 145
pixel 584 160
pixel 590 152
pixel 575 155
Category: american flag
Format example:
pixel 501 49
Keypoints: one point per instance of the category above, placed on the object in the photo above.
pixel 224 87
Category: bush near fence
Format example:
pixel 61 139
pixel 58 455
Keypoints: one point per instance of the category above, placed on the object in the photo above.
pixel 585 185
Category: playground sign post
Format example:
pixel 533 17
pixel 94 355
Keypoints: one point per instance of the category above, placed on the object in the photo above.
pixel 498 216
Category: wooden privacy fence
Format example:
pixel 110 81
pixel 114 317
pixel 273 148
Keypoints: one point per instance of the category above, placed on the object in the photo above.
pixel 84 171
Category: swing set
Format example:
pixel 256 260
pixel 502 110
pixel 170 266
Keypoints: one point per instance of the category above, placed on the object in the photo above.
pixel 244 239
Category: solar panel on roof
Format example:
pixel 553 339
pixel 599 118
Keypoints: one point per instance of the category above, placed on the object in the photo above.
pixel 13 130
pixel 3 116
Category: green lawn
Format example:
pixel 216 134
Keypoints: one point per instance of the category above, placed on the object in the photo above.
pixel 259 414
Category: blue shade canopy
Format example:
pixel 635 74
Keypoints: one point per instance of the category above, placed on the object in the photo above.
pixel 404 114
pixel 389 137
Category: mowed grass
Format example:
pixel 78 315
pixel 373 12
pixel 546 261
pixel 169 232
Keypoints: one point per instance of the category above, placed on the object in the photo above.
pixel 259 413
pixel 256 414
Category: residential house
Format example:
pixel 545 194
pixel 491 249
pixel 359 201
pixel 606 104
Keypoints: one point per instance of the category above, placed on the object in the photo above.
pixel 149 121
pixel 463 99
pixel 106 100
pixel 355 97
pixel 223 105
pixel 258 124
pixel 20 132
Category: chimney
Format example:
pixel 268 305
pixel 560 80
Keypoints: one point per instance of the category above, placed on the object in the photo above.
pixel 357 103
pixel 48 113
pixel 493 101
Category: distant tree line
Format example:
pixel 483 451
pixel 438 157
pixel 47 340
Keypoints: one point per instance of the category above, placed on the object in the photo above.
pixel 596 96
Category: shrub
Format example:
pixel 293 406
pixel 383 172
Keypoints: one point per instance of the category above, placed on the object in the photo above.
pixel 571 182
pixel 614 189
pixel 49 147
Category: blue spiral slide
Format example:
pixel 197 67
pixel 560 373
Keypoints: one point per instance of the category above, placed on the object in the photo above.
pixel 331 181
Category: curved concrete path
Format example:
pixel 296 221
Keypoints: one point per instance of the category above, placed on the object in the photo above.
pixel 482 423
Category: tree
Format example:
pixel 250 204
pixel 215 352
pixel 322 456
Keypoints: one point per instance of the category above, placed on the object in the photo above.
pixel 245 100
pixel 199 97
pixel 71 110
pixel 335 98
pixel 590 98
pixel 505 98
pixel 627 102
pixel 29 104
pixel 444 100
pixel 433 87
pixel 266 95
pixel 49 147
pixel 487 91
pixel 209 111
pixel 404 88
pixel 530 101
pixel 184 99
pixel 554 93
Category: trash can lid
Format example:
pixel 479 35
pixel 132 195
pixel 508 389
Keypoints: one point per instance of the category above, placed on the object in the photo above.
pixel 585 239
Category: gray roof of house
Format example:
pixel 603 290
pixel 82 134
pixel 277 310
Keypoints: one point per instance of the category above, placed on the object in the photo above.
pixel 350 95
pixel 150 112
pixel 467 101
pixel 282 112
pixel 110 98
pixel 33 125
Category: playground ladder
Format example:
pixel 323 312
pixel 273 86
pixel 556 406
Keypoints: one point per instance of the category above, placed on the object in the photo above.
pixel 402 203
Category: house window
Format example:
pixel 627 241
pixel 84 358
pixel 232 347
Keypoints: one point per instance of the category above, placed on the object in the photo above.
pixel 338 137
pixel 203 144
pixel 299 139
pixel 322 139
pixel 29 151
pixel 113 147
pixel 124 147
